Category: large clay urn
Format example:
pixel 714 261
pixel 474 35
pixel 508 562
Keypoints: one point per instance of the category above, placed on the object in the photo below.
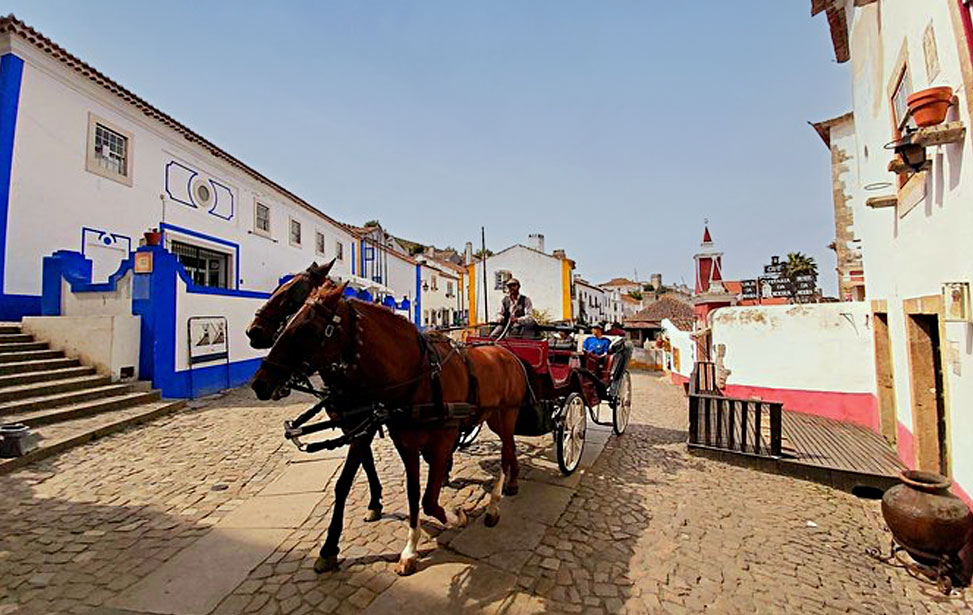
pixel 925 518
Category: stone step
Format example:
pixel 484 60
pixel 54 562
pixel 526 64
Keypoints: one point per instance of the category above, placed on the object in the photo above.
pixel 11 347
pixel 30 355
pixel 15 379
pixel 24 391
pixel 10 327
pixel 62 399
pixel 6 338
pixel 60 437
pixel 39 365
pixel 70 412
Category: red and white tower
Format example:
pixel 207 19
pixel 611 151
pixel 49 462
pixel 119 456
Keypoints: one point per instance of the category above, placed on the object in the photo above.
pixel 710 293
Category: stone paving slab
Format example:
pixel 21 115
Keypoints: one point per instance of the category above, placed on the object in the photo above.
pixel 303 477
pixel 272 511
pixel 195 580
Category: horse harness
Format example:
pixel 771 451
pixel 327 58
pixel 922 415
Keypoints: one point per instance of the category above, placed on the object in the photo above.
pixel 359 421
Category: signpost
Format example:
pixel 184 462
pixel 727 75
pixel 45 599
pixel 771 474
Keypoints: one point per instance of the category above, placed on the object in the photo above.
pixel 773 284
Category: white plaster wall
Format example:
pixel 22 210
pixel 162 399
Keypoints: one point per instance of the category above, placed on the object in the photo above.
pixel 51 141
pixel 684 341
pixel 107 342
pixel 812 347
pixel 107 303
pixel 595 302
pixel 539 275
pixel 435 300
pixel 913 256
pixel 238 312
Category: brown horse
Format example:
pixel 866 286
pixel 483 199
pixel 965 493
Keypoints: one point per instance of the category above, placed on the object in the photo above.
pixel 267 324
pixel 374 357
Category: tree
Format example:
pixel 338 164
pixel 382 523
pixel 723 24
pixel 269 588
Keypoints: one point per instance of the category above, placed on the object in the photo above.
pixel 798 264
pixel 417 248
pixel 478 255
pixel 371 223
pixel 635 294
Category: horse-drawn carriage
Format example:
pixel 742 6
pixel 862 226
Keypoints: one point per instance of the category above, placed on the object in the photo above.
pixel 564 383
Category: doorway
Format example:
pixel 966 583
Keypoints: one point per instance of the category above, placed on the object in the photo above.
pixel 928 397
pixel 884 377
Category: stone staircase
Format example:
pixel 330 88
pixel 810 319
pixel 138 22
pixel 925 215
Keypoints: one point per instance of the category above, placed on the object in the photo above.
pixel 64 402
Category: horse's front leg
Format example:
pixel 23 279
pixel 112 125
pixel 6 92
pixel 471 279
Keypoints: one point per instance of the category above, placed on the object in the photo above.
pixel 439 456
pixel 409 559
pixel 374 484
pixel 328 556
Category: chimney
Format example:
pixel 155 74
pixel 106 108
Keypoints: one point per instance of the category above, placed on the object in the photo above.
pixel 656 280
pixel 468 253
pixel 559 254
pixel 429 251
pixel 536 241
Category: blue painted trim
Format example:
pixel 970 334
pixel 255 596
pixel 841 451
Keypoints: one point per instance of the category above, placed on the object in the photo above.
pixel 353 258
pixel 189 190
pixel 185 231
pixel 75 268
pixel 101 234
pixel 418 306
pixel 216 204
pixel 12 307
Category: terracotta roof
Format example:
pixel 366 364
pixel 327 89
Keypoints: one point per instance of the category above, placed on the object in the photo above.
pixel 11 25
pixel 666 306
pixel 733 287
pixel 823 128
pixel 619 282
pixel 626 298
pixel 683 324
pixel 838 24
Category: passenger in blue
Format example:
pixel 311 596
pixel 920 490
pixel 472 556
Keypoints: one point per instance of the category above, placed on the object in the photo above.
pixel 598 344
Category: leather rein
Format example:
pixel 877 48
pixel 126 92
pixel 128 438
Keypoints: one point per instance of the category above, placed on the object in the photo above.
pixel 365 419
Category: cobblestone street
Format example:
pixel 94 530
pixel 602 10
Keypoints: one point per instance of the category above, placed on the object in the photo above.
pixel 646 528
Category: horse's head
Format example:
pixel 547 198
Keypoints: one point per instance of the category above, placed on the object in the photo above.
pixel 310 340
pixel 286 300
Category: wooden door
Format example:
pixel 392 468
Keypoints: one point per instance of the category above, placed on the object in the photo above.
pixel 885 378
pixel 928 401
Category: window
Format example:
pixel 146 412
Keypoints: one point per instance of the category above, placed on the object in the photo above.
pixel 109 151
pixel 261 218
pixel 339 251
pixel 900 108
pixel 205 267
pixel 449 288
pixel 500 278
pixel 434 285
pixel 295 234
pixel 319 242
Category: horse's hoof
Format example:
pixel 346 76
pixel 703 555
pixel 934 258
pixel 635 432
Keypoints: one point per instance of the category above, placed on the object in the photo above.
pixel 326 564
pixel 373 514
pixel 511 490
pixel 490 520
pixel 406 567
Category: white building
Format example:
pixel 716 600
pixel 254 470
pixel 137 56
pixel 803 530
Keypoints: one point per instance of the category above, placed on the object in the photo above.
pixel 441 294
pixel 591 303
pixel 87 167
pixel 911 223
pixel 545 278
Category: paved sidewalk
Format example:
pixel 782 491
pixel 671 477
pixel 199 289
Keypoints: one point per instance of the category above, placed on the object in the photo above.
pixel 210 511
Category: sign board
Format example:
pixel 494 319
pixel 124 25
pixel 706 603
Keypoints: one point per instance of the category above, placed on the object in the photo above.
pixel 749 289
pixel 207 339
pixel 143 262
pixel 775 268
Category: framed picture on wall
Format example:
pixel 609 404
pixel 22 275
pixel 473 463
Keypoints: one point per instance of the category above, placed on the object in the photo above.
pixel 956 301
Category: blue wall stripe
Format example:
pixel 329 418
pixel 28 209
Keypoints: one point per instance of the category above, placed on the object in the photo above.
pixel 12 307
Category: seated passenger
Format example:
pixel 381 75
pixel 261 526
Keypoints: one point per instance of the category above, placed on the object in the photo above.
pixel 597 344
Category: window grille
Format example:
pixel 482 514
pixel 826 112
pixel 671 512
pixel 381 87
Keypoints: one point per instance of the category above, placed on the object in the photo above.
pixel 205 267
pixel 319 243
pixel 111 150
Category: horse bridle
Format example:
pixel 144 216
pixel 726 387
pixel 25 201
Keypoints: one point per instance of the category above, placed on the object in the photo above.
pixel 268 316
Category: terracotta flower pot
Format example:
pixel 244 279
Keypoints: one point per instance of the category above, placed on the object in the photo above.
pixel 153 238
pixel 929 106
pixel 925 518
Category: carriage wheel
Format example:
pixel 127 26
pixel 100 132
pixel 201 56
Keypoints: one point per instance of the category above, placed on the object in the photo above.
pixel 467 438
pixel 569 434
pixel 622 408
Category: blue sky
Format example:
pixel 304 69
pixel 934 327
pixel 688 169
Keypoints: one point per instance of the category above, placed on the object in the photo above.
pixel 612 127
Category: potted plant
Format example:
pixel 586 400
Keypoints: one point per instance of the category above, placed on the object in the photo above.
pixel 928 107
pixel 153 237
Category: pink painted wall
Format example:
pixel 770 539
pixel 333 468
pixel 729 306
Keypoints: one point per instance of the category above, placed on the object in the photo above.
pixel 858 408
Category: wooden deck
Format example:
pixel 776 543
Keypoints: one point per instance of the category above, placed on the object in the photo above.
pixel 823 450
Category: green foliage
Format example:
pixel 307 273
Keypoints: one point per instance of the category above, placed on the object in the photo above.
pixel 372 223
pixel 798 264
pixel 417 249
pixel 635 294
pixel 542 317
pixel 479 254
pixel 648 287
